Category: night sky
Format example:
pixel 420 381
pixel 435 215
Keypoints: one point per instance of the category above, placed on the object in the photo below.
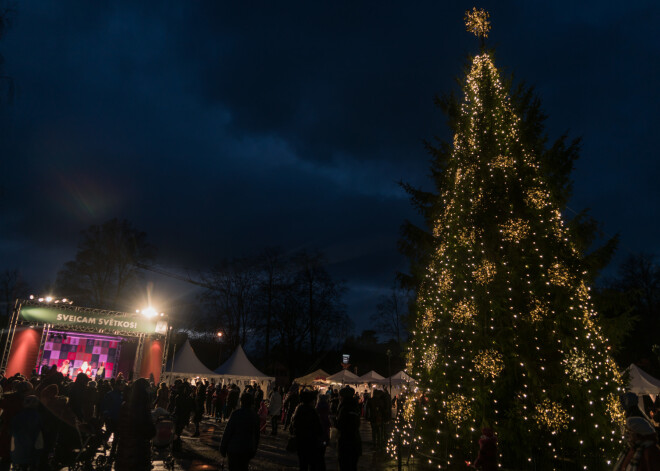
pixel 221 128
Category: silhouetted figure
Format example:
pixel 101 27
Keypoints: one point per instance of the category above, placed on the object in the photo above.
pixel 135 430
pixel 349 444
pixel 241 436
pixel 306 426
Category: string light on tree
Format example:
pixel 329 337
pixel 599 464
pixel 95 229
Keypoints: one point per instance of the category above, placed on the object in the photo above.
pixel 551 416
pixel 489 363
pixel 515 230
pixel 484 272
pixel 578 367
pixel 559 275
pixel 477 22
pixel 538 311
pixel 464 312
pixel 505 332
pixel 459 409
pixel 503 162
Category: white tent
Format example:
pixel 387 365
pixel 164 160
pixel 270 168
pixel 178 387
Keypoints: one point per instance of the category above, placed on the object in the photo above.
pixel 371 377
pixel 311 377
pixel 640 382
pixel 398 382
pixel 186 365
pixel 344 377
pixel 239 370
pixel 400 378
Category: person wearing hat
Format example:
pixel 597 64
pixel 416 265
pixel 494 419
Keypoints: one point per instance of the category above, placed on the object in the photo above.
pixel 349 443
pixel 643 453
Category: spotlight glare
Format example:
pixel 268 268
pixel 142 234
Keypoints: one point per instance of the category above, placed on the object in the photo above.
pixel 149 312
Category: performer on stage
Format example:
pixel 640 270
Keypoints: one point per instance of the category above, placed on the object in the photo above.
pixel 84 368
pixel 100 373
pixel 64 369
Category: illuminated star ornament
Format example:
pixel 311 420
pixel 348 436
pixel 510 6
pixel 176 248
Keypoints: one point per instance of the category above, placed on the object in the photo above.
pixel 476 22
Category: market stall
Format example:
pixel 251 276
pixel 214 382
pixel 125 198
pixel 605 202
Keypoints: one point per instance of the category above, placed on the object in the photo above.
pixel 312 378
pixel 187 366
pixel 238 369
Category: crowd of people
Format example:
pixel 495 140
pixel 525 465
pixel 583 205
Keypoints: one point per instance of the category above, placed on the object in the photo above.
pixel 48 420
pixel 309 416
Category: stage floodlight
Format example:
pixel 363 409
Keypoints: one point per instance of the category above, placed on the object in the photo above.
pixel 149 312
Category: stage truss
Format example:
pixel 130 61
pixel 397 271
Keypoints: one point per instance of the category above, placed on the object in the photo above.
pixel 16 322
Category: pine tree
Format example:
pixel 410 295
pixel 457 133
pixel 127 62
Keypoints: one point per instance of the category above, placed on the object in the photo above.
pixel 506 335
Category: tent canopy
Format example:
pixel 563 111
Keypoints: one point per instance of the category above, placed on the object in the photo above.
pixel 343 377
pixel 371 377
pixel 238 366
pixel 309 378
pixel 400 378
pixel 640 382
pixel 187 364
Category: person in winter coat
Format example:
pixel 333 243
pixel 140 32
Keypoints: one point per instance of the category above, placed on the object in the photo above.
pixel 241 436
pixel 374 414
pixel 274 409
pixel 135 430
pixel 182 409
pixel 349 443
pixel 27 440
pixel 90 398
pixel 67 436
pixel 162 397
pixel 643 453
pixel 323 410
pixel 221 402
pixel 78 394
pixel 258 397
pixel 263 416
pixel 11 404
pixel 291 401
pixel 232 400
pixel 200 401
pixel 306 426
pixel 210 403
pixel 110 409
pixel 487 457
pixel 50 422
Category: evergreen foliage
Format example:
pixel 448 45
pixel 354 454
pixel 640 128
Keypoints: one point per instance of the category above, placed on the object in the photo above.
pixel 505 332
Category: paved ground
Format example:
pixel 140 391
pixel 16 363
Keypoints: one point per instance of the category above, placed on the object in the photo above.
pixel 201 453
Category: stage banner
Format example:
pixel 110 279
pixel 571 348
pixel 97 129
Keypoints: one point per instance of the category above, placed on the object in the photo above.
pixel 106 322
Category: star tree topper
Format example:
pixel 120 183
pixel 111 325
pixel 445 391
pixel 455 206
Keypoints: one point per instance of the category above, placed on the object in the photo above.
pixel 476 22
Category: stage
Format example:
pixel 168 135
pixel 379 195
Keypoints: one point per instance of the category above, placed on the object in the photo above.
pixel 98 343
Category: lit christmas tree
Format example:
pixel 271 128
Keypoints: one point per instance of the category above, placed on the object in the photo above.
pixel 506 335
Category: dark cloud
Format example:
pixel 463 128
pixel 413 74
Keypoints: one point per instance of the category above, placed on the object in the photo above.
pixel 220 128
